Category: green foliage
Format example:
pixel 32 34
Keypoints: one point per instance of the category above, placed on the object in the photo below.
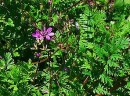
pixel 15 77
pixel 108 50
pixel 88 55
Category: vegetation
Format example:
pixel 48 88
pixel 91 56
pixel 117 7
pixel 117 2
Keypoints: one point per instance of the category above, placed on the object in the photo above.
pixel 65 48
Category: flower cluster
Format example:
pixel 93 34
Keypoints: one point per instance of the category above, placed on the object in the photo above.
pixel 41 34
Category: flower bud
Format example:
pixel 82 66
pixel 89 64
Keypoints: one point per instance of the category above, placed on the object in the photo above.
pixel 45 91
pixel 77 25
pixel 38 54
pixel 41 6
pixel 2 3
pixel 22 19
pixel 0 57
pixel 50 2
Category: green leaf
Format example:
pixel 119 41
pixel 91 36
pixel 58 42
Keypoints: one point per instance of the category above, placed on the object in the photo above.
pixel 9 22
pixel 118 3
pixel 116 57
pixel 106 79
pixel 16 54
pixel 15 88
pixel 8 59
pixel 2 63
pixel 86 65
pixel 39 25
pixel 112 63
pixel 128 18
pixel 127 1
pixel 124 42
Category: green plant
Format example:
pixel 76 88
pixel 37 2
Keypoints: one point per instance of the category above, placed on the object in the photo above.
pixel 86 54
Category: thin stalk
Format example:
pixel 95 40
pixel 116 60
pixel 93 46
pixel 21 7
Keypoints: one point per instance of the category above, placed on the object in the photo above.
pixel 50 73
pixel 35 73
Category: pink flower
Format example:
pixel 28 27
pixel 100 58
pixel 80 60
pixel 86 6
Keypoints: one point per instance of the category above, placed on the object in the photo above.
pixel 37 54
pixel 45 91
pixel 50 2
pixel 47 33
pixel 65 69
pixel 40 35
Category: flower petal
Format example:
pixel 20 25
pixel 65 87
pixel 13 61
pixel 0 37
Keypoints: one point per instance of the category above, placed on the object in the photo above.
pixel 34 35
pixel 41 38
pixel 37 31
pixel 42 32
pixel 48 37
pixel 44 29
pixel 49 30
pixel 51 34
